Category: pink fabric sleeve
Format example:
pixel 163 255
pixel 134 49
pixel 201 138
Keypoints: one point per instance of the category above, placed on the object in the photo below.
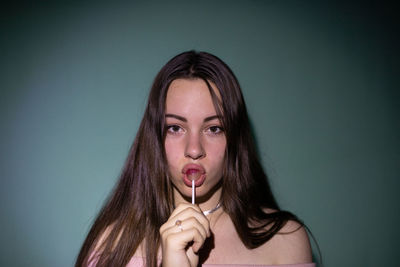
pixel 255 265
pixel 138 262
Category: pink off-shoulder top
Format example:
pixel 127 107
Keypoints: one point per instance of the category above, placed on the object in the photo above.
pixel 139 262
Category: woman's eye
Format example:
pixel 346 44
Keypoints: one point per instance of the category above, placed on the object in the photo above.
pixel 174 129
pixel 215 129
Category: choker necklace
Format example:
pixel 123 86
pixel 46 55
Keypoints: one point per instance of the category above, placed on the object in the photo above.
pixel 208 212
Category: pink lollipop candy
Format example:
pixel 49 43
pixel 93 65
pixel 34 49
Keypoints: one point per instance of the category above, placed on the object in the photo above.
pixel 193 175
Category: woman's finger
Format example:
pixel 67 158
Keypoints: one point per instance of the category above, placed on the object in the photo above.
pixel 184 214
pixel 179 240
pixel 184 206
pixel 187 224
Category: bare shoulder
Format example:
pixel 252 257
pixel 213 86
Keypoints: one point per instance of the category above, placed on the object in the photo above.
pixel 290 245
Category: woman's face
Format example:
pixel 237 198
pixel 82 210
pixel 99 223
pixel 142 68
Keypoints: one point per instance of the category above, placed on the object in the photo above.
pixel 195 140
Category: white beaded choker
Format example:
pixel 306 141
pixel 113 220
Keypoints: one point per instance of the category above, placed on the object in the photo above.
pixel 208 212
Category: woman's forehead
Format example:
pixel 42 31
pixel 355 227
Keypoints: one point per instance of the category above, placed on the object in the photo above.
pixel 188 96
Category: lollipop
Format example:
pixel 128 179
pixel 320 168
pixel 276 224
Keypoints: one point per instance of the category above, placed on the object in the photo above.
pixel 193 175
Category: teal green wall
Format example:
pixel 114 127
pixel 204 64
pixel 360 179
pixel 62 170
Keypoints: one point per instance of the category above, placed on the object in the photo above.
pixel 319 81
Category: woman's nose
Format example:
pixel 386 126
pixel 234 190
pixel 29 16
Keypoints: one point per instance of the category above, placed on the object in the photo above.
pixel 194 148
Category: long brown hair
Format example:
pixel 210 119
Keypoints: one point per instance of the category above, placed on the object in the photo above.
pixel 142 199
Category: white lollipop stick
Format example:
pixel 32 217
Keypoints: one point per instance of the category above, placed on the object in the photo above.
pixel 193 193
pixel 194 176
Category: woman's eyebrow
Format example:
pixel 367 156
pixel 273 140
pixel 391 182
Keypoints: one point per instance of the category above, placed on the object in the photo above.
pixel 176 117
pixel 210 118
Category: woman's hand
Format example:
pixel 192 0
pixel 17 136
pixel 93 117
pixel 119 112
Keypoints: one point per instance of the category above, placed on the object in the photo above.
pixel 183 235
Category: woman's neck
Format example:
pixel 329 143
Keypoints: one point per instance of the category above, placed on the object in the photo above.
pixel 208 202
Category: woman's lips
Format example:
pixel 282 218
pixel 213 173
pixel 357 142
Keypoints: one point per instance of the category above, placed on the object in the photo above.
pixel 194 172
pixel 197 182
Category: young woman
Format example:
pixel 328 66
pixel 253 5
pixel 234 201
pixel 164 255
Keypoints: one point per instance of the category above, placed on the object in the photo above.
pixel 195 127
